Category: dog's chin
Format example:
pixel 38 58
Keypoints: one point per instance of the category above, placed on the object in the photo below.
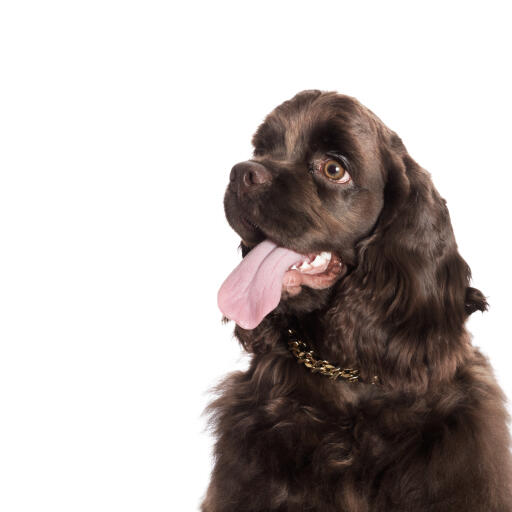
pixel 307 284
pixel 306 300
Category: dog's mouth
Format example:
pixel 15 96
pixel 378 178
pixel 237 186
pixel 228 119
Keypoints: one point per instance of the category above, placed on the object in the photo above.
pixel 267 272
pixel 317 270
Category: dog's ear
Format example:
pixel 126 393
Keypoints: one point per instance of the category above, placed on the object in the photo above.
pixel 475 301
pixel 411 262
pixel 412 252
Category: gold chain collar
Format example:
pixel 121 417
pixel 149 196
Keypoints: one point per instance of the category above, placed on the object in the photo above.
pixel 305 355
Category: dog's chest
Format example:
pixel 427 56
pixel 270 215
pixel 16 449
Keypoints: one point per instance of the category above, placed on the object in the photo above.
pixel 296 432
pixel 289 440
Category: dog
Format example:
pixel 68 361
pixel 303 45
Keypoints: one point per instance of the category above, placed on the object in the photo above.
pixel 364 392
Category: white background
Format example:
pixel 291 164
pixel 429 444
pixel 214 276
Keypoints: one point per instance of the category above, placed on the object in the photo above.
pixel 119 123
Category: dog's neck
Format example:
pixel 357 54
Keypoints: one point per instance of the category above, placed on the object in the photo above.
pixel 304 354
pixel 341 336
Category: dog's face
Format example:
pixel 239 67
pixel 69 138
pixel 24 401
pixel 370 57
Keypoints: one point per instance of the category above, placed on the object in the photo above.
pixel 315 185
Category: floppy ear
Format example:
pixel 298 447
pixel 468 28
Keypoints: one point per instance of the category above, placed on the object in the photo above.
pixel 417 276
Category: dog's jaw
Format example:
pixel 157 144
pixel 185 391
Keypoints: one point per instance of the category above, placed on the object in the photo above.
pixel 318 277
pixel 269 272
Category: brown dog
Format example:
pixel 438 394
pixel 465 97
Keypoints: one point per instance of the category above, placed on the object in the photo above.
pixel 364 392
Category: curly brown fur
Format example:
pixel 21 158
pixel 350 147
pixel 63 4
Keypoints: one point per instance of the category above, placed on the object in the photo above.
pixel 432 435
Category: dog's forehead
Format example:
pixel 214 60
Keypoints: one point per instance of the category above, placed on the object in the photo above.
pixel 295 126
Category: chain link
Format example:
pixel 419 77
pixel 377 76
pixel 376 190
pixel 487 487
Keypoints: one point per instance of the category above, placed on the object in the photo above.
pixel 305 356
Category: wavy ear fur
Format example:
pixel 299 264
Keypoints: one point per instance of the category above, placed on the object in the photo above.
pixel 418 281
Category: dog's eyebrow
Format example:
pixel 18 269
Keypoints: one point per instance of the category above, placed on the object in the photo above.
pixel 340 157
pixel 329 136
pixel 337 154
pixel 268 137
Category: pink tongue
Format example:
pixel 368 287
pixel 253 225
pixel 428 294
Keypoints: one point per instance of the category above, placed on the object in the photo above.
pixel 253 289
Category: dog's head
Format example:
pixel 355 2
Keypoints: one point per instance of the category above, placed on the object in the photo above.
pixel 316 182
pixel 332 200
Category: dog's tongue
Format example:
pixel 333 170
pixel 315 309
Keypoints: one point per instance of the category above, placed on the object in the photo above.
pixel 253 289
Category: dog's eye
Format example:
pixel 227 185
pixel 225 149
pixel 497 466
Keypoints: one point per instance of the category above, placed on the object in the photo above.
pixel 335 171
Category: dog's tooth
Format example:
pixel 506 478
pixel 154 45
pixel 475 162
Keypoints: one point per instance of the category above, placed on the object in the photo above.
pixel 318 261
pixel 326 255
pixel 321 259
pixel 305 266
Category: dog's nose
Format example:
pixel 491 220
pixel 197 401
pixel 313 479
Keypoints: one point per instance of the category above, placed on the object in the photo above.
pixel 248 175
